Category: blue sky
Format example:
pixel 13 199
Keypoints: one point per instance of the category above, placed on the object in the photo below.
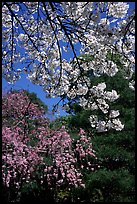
pixel 24 83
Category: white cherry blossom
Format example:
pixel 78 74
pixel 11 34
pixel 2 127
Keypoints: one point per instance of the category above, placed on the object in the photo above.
pixel 37 36
pixel 114 113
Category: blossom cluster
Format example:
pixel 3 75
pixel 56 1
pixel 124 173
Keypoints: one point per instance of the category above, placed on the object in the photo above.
pixel 17 107
pixel 103 126
pixel 98 98
pixel 19 159
pixel 31 149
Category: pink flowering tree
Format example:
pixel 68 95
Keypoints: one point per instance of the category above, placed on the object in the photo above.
pixel 32 153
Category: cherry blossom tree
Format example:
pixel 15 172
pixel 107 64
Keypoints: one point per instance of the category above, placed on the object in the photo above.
pixel 37 34
pixel 34 153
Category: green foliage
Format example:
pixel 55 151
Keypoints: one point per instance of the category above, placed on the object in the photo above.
pixel 79 120
pixel 34 99
pixel 36 193
pixel 115 58
pixel 86 57
pixel 114 186
pixel 62 196
pixel 114 180
pixel 56 124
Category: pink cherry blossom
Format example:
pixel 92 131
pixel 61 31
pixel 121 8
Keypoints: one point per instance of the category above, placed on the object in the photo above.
pixel 27 151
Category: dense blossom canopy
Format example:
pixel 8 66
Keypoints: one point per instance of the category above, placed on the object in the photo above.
pixel 32 151
pixel 37 34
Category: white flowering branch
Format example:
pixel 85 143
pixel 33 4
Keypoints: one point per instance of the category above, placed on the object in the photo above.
pixel 33 34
